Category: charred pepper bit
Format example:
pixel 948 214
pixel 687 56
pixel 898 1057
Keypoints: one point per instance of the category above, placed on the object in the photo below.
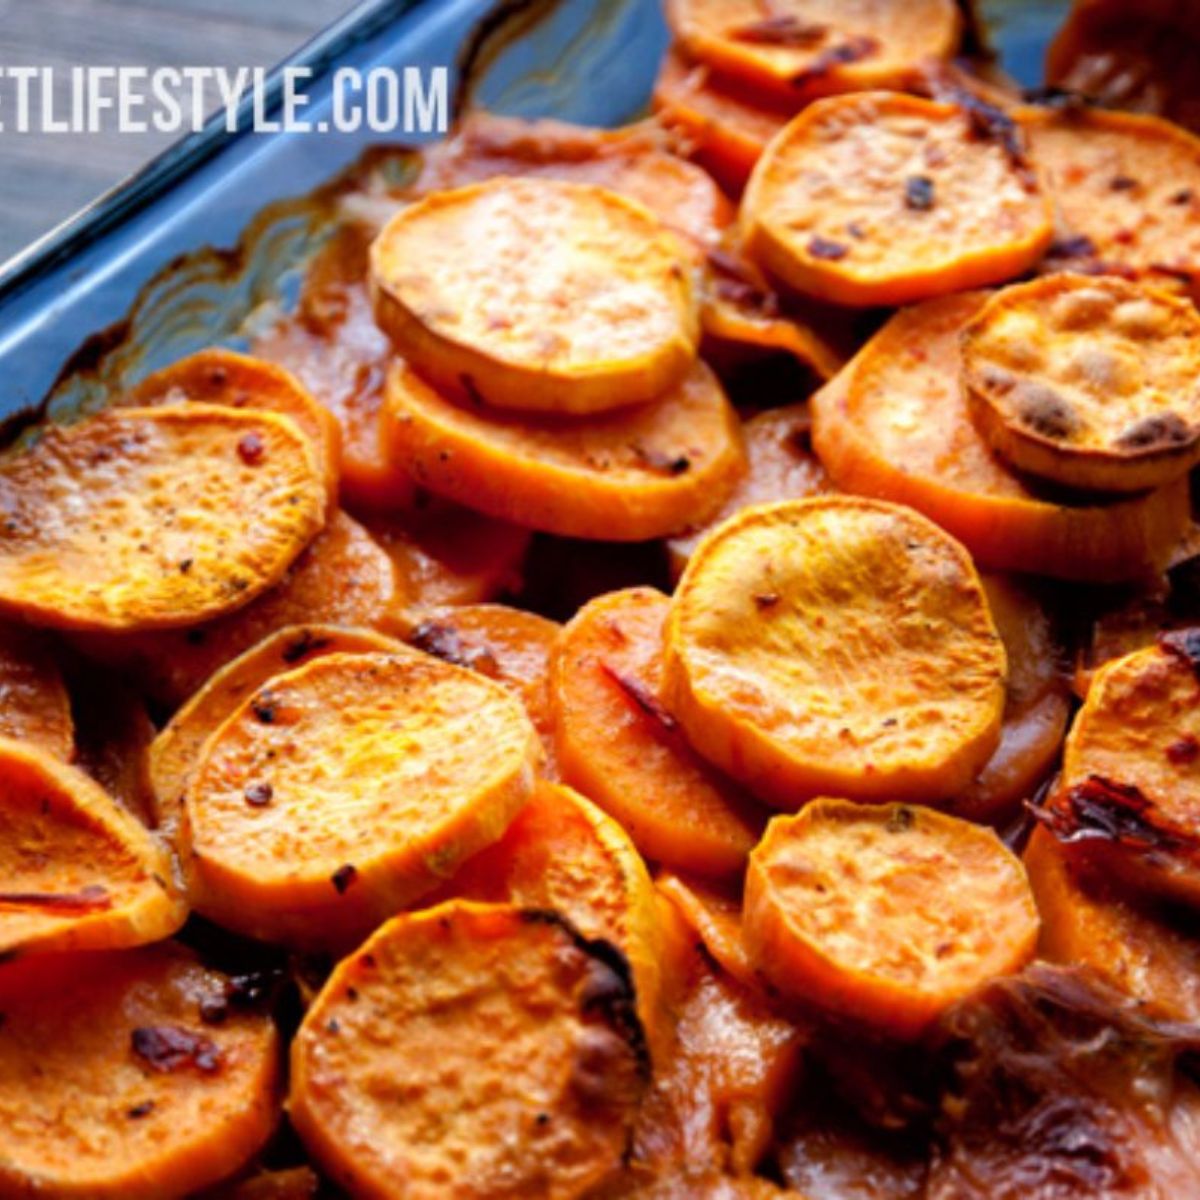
pixel 167 1048
pixel 823 248
pixel 444 642
pixel 343 878
pixel 643 698
pixel 1100 809
pixel 782 30
pixel 919 193
pixel 852 51
pixel 93 898
pixel 251 449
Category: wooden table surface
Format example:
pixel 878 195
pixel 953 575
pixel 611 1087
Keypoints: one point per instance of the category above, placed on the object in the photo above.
pixel 44 178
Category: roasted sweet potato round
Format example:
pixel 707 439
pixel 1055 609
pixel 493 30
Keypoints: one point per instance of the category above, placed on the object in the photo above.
pixel 470 1051
pixel 563 853
pixel 220 376
pixel 346 788
pixel 894 424
pixel 624 476
pixel 803 48
pixel 1127 191
pixel 77 872
pixel 34 704
pixel 885 914
pixel 1127 798
pixel 154 517
pixel 835 644
pixel 177 747
pixel 620 746
pixel 882 198
pixel 1087 382
pixel 537 294
pixel 113 1086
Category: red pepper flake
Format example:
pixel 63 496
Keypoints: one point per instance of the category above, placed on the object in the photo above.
pixel 1183 196
pixel 783 30
pixel 1122 183
pixel 258 795
pixel 251 449
pixel 765 600
pixel 167 1048
pixel 343 877
pixel 642 697
pixel 1184 751
pixel 140 1110
pixel 820 247
pixel 93 898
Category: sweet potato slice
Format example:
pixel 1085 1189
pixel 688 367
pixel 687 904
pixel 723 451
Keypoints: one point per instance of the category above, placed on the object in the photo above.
pixel 536 294
pixel 894 424
pixel 76 871
pixel 716 917
pixel 343 577
pixel 1135 947
pixel 345 788
pixel 177 747
pixel 1087 382
pixel 617 744
pixel 835 645
pixel 885 914
pixel 722 130
pixel 444 554
pixel 883 198
pixel 112 1085
pixel 34 705
pixel 219 376
pixel 799 49
pixel 564 854
pixel 630 160
pixel 1036 706
pixel 506 644
pixel 728 1067
pixel 1127 190
pixel 625 476
pixel 1128 798
pixel 333 346
pixel 781 465
pixel 470 1051
pixel 154 517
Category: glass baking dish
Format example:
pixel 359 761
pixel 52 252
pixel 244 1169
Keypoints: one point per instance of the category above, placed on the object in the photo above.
pixel 132 282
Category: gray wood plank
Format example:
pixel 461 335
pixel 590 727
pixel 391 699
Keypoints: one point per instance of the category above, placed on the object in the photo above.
pixel 46 177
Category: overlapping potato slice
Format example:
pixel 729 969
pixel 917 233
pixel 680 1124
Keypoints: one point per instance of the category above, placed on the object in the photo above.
pixel 1129 795
pixel 894 424
pixel 34 705
pixel 883 198
pixel 622 476
pixel 798 49
pixel 721 129
pixel 885 914
pixel 780 465
pixel 536 294
pixel 622 748
pixel 344 789
pixel 1134 946
pixel 507 644
pixel 1126 189
pixel 76 871
pixel 1087 382
pixel 177 747
pixel 342 577
pixel 564 854
pixel 154 517
pixel 1036 706
pixel 835 645
pixel 113 1086
pixel 470 1050
pixel 220 376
